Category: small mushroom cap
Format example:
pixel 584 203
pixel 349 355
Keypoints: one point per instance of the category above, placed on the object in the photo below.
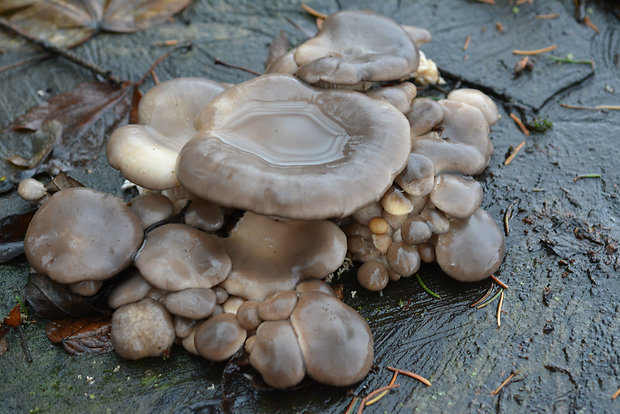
pixel 315 286
pixel 279 306
pixel 284 64
pixel 478 99
pixel 335 341
pixel 220 294
pixel 151 208
pixel 193 303
pixel 417 178
pixel 419 35
pixel 455 195
pixel 232 304
pixel 146 153
pixel 188 343
pixel 31 190
pixel 82 234
pixel 450 156
pixel 86 287
pixel 473 248
pixel 184 326
pixel 373 275
pixel 365 214
pixel 395 202
pixel 247 315
pixel 269 256
pixel 278 147
pixel 415 230
pixel 204 215
pixel 465 124
pixel 437 221
pixel 399 95
pixel 276 355
pixel 424 115
pixel 177 257
pixel 142 329
pixel 219 337
pixel 356 46
pixel 403 259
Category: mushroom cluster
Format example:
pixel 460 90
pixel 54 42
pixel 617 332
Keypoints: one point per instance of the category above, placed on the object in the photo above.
pixel 317 172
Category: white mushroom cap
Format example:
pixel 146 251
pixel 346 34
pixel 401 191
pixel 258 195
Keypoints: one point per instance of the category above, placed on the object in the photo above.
pixel 141 329
pixel 335 341
pixel 151 208
pixel 478 99
pixel 276 354
pixel 278 147
pixel 86 287
pixel 219 337
pixel 146 153
pixel 31 190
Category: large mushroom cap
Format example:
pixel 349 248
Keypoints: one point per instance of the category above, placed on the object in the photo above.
pixel 177 257
pixel 82 234
pixel 269 256
pixel 277 147
pixel 356 46
pixel 146 153
pixel 141 329
pixel 472 249
pixel 335 341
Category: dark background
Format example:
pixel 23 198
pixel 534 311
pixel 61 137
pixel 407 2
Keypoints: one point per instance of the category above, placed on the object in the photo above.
pixel 561 324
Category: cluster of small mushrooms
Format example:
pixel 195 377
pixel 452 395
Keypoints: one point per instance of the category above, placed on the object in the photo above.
pixel 328 155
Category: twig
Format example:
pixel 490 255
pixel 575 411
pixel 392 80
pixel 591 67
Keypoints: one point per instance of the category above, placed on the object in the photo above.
pixel 107 74
pixel 411 375
pixel 592 108
pixel 506 381
pixel 570 60
pixel 218 61
pixel 171 42
pixel 588 22
pixel 313 12
pixel 22 340
pixel 23 62
pixel 372 394
pixel 534 52
pixel 520 124
pixel 161 59
pixel 430 292
pixel 296 25
pixel 486 1
pixel 384 393
pixel 486 295
pixel 613 397
pixel 351 405
pixel 490 300
pixel 579 177
pixel 467 40
pixel 547 16
pixel 514 153
pixel 499 282
pixel 507 217
pixel 499 309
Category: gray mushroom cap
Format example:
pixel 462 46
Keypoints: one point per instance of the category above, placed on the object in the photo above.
pixel 279 306
pixel 276 354
pixel 399 95
pixel 473 248
pixel 193 303
pixel 177 257
pixel 335 341
pixel 142 329
pixel 130 290
pixel 151 208
pixel 269 256
pixel 278 147
pixel 146 153
pixel 373 275
pixel 82 234
pixel 219 337
pixel 356 46
pixel 455 195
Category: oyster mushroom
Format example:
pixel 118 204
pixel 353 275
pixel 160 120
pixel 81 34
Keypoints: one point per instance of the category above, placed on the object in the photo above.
pixel 177 257
pixel 151 208
pixel 335 341
pixel 193 303
pixel 399 95
pixel 269 256
pixel 357 46
pixel 142 329
pixel 455 195
pixel 278 147
pixel 81 234
pixel 146 153
pixel 219 337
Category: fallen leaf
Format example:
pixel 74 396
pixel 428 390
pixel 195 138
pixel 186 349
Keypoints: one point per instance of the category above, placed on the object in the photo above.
pixel 81 335
pixel 43 141
pixel 53 300
pixel 87 114
pixel 14 317
pixel 278 47
pixel 68 23
pixel 12 231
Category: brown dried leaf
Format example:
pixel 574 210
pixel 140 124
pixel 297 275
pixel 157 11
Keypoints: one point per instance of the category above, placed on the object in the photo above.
pixel 68 23
pixel 12 231
pixel 77 111
pixel 43 141
pixel 278 47
pixel 14 317
pixel 80 336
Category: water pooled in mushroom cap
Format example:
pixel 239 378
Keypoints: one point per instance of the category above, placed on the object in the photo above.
pixel 473 248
